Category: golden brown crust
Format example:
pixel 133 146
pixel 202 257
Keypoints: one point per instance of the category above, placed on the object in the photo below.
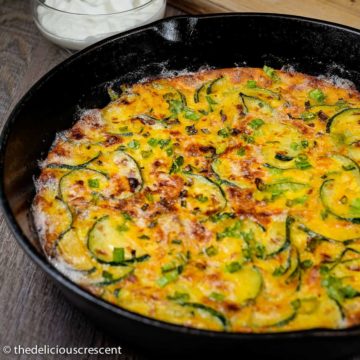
pixel 226 199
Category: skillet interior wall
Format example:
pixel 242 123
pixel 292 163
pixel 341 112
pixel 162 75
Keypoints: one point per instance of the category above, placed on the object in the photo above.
pixel 178 44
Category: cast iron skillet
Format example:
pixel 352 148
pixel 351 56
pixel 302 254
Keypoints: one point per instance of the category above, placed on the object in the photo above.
pixel 185 42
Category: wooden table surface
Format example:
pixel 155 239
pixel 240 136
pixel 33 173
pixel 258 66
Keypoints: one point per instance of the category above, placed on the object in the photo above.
pixel 345 12
pixel 32 309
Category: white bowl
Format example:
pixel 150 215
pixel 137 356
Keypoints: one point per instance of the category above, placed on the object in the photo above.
pixel 76 31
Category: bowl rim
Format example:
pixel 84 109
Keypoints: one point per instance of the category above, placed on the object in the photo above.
pixel 65 282
pixel 41 3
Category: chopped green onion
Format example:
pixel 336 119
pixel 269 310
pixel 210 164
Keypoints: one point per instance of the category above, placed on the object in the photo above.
pixel 270 72
pixel 118 255
pixel 306 264
pixel 93 183
pixel 233 267
pixel 122 228
pixel 146 154
pixel 216 296
pixel 177 163
pixel 251 84
pixel 179 297
pixel 112 94
pixel 249 139
pixel 307 116
pixel 134 144
pixel 168 267
pixel 168 277
pixel 210 100
pixel 126 216
pixel 256 123
pixel 304 143
pixel 176 241
pixel 153 142
pixel 107 275
pixel 169 151
pixel 211 251
pixel 202 198
pixel 302 163
pixel 317 95
pixel 191 115
pixel 241 151
pixel 224 132
pixel 163 143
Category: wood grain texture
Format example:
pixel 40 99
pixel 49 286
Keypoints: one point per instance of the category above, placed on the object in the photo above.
pixel 341 11
pixel 32 309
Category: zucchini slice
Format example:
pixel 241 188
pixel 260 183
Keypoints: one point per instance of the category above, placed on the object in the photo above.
pixel 342 284
pixel 327 110
pixel 282 186
pixel 332 193
pixel 73 167
pixel 254 104
pixel 123 172
pixel 112 241
pixel 149 120
pixel 345 126
pixel 210 311
pixel 274 241
pixel 340 194
pixel 59 215
pixel 284 191
pixel 261 93
pixel 263 243
pixel 73 251
pixel 114 277
pixel 248 284
pixel 212 85
pixel 284 268
pixel 346 163
pixel 295 305
pixel 315 238
pixel 80 186
pixel 71 155
pixel 295 270
pixel 281 153
pixel 206 88
pixel 287 238
pixel 353 150
pixel 349 258
pixel 203 195
pixel 276 315
pixel 198 92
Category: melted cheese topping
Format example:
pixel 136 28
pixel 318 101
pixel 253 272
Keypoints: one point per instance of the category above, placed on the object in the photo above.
pixel 226 200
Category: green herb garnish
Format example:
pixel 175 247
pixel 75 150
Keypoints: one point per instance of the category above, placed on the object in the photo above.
pixel 118 255
pixel 256 123
pixel 93 183
pixel 317 95
pixel 233 267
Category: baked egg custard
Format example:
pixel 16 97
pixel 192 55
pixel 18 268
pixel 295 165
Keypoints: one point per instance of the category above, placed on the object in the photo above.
pixel 225 200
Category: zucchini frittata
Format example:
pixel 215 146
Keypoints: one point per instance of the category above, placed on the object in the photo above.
pixel 226 200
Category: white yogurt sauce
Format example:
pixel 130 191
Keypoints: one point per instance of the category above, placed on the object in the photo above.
pixel 80 23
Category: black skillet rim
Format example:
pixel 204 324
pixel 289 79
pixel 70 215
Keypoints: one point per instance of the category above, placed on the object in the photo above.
pixel 71 286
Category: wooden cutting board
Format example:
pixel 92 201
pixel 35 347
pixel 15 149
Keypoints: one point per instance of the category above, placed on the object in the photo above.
pixel 345 12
